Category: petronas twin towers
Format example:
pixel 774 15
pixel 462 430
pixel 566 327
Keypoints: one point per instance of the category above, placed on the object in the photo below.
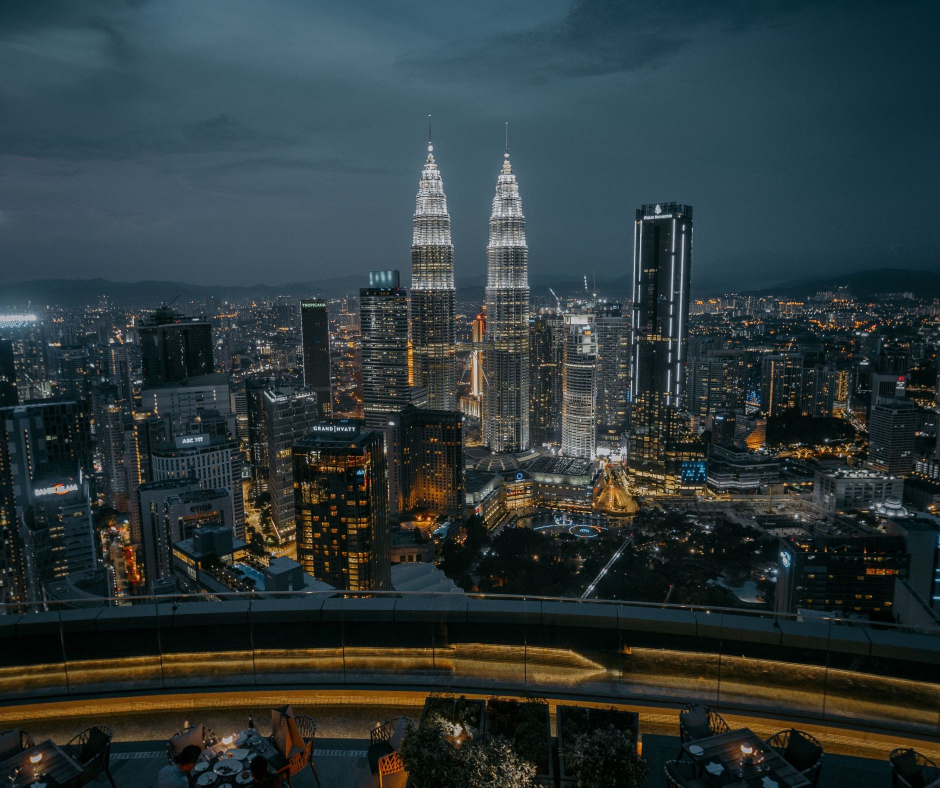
pixel 505 409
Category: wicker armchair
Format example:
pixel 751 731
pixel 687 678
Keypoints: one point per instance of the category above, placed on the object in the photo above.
pixel 683 774
pixel 206 736
pixel 801 750
pixel 910 769
pixel 383 750
pixel 307 728
pixel 91 749
pixel 699 722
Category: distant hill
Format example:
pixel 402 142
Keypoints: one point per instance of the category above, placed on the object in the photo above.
pixel 864 284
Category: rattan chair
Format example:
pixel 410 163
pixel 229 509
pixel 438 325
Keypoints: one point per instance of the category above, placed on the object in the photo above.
pixel 307 728
pixel 91 749
pixel 208 738
pixel 688 733
pixel 683 774
pixel 900 771
pixel 811 766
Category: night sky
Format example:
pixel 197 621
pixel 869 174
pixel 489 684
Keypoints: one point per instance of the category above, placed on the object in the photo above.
pixel 274 141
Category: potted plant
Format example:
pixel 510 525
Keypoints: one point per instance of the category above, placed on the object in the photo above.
pixel 605 758
pixel 433 761
pixel 527 726
pixel 574 721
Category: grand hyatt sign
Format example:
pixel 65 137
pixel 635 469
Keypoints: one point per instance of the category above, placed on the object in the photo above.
pixel 335 429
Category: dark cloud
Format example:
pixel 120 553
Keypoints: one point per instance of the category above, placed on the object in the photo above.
pixel 608 36
pixel 240 140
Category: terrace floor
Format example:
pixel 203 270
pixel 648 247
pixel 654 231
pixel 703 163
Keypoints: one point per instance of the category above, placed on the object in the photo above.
pixel 139 751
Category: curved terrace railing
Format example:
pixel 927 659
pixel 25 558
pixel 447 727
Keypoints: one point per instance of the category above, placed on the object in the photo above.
pixel 825 669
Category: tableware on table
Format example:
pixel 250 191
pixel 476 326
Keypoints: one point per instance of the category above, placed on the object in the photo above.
pixel 244 778
pixel 714 768
pixel 768 783
pixel 239 754
pixel 696 750
pixel 201 766
pixel 207 778
pixel 228 767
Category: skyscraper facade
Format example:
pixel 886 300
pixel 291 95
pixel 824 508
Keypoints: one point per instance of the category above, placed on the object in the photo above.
pixel 341 504
pixel 506 342
pixel 613 371
pixel 315 331
pixel 662 262
pixel 433 326
pixel 288 416
pixel 579 411
pixel 544 380
pixel 427 466
pixel 383 310
pixel 174 347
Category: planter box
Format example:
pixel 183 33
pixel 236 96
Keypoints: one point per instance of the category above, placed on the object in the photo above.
pixel 585 720
pixel 499 722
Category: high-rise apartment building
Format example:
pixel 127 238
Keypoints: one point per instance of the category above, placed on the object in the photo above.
pixel 315 332
pixel 383 310
pixel 154 537
pixel 612 328
pixel 892 429
pixel 8 391
pixel 72 375
pixel 174 347
pixel 26 336
pixel 214 460
pixel 506 342
pixel 781 383
pixel 288 416
pixel 662 266
pixel 545 375
pixel 433 325
pixel 579 411
pixel 426 462
pixel 185 401
pixel 341 503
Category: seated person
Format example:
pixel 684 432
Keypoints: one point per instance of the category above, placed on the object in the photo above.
pixel 261 775
pixel 177 775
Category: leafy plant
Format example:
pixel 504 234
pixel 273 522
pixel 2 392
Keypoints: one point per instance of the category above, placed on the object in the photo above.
pixel 605 758
pixel 525 724
pixel 433 762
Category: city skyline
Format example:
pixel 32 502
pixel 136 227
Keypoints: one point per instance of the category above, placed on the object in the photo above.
pixel 136 172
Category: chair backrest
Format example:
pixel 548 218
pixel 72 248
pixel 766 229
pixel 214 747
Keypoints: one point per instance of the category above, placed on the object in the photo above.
pixel 307 726
pixel 384 731
pixel 679 773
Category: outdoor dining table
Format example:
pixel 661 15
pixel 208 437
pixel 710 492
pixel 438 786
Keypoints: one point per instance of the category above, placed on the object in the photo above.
pixel 54 769
pixel 227 762
pixel 741 759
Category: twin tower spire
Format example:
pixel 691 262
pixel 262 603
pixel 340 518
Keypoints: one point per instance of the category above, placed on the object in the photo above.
pixel 505 410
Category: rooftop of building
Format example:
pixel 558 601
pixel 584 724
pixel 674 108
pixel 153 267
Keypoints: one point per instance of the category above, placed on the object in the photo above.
pixel 475 479
pixel 563 466
pixel 845 472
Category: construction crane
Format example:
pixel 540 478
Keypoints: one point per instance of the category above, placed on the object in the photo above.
pixel 557 299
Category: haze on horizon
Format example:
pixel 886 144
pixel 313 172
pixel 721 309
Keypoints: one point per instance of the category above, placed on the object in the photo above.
pixel 245 142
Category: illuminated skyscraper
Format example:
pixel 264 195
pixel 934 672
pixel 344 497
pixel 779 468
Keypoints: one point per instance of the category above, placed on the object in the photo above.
pixel 613 371
pixel 662 457
pixel 383 310
pixel 315 330
pixel 433 326
pixel 506 342
pixel 545 376
pixel 579 411
pixel 341 501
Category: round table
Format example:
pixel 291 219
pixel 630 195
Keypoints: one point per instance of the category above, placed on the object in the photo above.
pixel 230 761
